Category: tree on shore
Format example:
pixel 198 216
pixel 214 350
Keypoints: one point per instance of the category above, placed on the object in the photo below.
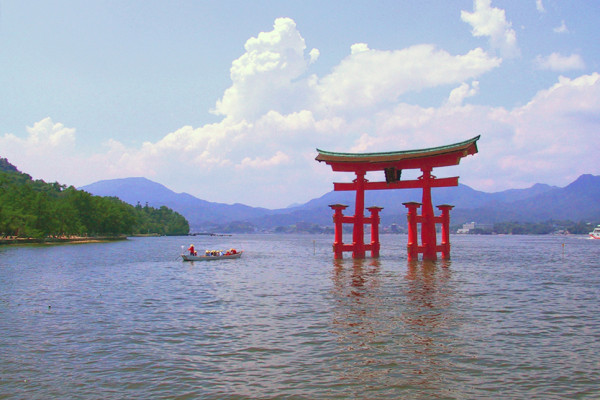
pixel 36 209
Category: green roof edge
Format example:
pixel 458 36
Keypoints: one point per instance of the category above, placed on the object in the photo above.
pixel 391 153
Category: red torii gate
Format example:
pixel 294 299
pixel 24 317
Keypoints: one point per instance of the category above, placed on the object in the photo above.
pixel 392 163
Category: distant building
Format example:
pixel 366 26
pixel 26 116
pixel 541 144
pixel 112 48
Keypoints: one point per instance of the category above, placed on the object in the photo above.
pixel 471 226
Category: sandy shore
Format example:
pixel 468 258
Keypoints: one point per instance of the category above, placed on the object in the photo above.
pixel 63 239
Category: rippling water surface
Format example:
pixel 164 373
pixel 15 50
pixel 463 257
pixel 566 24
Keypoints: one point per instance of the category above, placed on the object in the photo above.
pixel 507 317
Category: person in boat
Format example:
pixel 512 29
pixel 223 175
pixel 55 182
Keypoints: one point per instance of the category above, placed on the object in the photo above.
pixel 192 250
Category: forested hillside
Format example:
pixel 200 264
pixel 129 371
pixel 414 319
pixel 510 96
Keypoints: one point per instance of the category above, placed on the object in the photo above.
pixel 36 209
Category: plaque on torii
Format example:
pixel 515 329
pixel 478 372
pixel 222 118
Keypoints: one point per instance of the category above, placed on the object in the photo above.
pixel 392 164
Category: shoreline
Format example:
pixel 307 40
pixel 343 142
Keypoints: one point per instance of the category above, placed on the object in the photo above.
pixel 61 240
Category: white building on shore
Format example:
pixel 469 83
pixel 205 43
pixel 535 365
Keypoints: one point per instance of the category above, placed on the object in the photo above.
pixel 471 226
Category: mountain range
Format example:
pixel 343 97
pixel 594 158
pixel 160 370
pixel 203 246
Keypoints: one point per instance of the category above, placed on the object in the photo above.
pixel 578 201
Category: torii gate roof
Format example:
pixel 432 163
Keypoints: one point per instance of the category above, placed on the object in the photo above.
pixel 434 156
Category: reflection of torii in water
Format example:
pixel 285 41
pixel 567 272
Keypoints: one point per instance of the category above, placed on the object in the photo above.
pixel 394 329
pixel 392 164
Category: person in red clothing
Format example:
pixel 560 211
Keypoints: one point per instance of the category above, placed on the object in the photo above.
pixel 192 250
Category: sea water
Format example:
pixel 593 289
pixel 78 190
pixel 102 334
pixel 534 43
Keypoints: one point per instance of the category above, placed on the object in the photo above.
pixel 507 317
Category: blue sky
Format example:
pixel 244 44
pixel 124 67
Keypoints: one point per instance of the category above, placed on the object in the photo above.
pixel 227 100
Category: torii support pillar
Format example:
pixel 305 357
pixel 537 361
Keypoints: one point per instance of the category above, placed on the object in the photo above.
pixel 445 220
pixel 374 220
pixel 358 230
pixel 338 220
pixel 412 248
pixel 427 218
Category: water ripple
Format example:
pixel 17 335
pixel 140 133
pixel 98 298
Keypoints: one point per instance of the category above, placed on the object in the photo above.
pixel 510 317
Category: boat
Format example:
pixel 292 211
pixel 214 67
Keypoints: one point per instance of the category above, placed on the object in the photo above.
pixel 209 256
pixel 595 234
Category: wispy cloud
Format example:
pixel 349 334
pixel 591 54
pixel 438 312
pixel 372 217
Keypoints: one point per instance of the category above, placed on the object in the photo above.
pixel 562 28
pixel 539 5
pixel 560 63
pixel 259 163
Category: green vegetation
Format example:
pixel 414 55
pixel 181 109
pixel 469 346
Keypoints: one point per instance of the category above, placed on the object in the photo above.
pixel 36 209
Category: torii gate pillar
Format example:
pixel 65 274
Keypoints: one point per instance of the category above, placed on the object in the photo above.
pixel 358 231
pixel 358 241
pixel 412 247
pixel 429 249
pixel 428 237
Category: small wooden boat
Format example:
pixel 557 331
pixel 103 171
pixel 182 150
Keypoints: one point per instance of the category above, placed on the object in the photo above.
pixel 223 256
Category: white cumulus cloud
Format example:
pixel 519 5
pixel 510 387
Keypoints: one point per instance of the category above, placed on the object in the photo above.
pixel 270 75
pixel 557 128
pixel 46 140
pixel 263 77
pixel 460 93
pixel 367 78
pixel 490 21
pixel 274 116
